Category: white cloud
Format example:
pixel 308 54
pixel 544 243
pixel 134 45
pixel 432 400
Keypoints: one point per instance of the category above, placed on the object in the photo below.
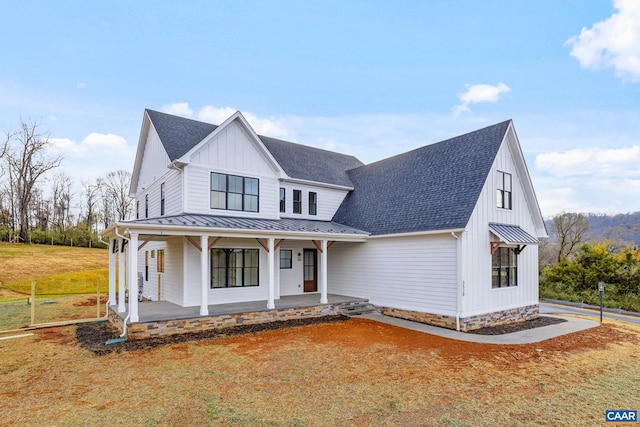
pixel 612 43
pixel 93 145
pixel 593 161
pixel 178 109
pixel 103 141
pixel 479 93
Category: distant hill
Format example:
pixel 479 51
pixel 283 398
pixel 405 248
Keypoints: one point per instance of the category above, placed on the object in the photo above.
pixel 623 228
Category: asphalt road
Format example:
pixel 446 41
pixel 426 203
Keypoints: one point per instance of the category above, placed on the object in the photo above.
pixel 548 308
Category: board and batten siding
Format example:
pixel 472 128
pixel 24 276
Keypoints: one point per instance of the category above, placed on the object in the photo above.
pixel 479 297
pixel 154 161
pixel 416 273
pixel 328 201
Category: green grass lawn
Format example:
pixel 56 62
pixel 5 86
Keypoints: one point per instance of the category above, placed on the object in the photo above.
pixel 65 279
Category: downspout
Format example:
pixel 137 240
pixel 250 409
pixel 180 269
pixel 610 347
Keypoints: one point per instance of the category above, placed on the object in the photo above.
pixel 124 323
pixel 457 280
pixel 106 305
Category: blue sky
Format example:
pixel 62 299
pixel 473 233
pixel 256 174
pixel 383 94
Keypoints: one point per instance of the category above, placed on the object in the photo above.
pixel 367 78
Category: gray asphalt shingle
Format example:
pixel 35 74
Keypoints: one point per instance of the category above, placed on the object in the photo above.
pixel 179 135
pixel 435 187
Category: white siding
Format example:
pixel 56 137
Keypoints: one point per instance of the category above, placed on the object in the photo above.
pixel 232 149
pixel 224 295
pixel 291 279
pixel 328 201
pixel 412 273
pixel 199 196
pixel 172 287
pixel 154 161
pixel 173 195
pixel 479 297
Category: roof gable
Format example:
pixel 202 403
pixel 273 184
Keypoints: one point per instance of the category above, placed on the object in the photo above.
pixel 435 187
pixel 180 136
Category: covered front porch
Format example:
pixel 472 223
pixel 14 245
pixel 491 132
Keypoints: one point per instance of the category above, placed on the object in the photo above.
pixel 157 318
pixel 202 266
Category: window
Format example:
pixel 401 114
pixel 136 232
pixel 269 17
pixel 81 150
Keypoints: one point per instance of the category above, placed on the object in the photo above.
pixel 234 193
pixel 137 209
pixel 146 266
pixel 297 201
pixel 160 260
pixel 313 203
pixel 162 199
pixel 504 190
pixel 232 268
pixel 146 206
pixel 283 200
pixel 504 268
pixel 286 257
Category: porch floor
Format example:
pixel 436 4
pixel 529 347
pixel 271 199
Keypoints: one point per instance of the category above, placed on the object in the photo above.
pixel 153 311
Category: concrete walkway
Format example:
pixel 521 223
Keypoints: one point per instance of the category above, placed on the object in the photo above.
pixel 529 336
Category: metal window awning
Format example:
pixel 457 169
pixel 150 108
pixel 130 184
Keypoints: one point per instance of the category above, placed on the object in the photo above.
pixel 511 235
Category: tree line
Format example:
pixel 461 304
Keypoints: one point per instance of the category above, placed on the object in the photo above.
pixel 572 263
pixel 40 205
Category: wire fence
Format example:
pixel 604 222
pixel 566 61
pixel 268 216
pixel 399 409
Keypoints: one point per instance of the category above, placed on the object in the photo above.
pixel 51 302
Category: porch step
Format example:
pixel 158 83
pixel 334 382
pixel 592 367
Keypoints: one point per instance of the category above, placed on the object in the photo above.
pixel 356 308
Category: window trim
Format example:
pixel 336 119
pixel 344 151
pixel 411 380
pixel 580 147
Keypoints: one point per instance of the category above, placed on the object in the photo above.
pixel 297 203
pixel 313 205
pixel 228 267
pixel 509 268
pixel 283 199
pixel 243 195
pixel 162 199
pixel 160 261
pixel 502 194
pixel 288 265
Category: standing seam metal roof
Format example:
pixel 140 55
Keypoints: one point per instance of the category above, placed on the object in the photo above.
pixel 255 224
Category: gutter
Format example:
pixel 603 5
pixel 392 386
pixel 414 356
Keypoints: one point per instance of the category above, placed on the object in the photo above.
pixel 124 323
pixel 106 304
pixel 458 279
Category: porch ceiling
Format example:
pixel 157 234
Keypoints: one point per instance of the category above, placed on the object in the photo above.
pixel 224 226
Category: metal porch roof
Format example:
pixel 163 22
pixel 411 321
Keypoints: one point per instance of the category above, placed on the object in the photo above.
pixel 253 224
pixel 512 234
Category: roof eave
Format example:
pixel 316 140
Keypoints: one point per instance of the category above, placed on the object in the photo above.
pixel 184 230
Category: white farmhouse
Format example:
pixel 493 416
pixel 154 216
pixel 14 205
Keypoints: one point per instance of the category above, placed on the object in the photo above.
pixel 233 227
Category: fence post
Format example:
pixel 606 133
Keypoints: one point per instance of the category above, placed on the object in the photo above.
pixel 33 302
pixel 97 298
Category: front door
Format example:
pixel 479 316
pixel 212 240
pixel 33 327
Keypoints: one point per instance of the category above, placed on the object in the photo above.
pixel 310 270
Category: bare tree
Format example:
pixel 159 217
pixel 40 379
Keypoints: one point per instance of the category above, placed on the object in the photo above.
pixel 116 190
pixel 62 195
pixel 27 162
pixel 91 196
pixel 572 229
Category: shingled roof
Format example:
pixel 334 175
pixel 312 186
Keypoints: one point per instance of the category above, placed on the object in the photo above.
pixel 179 135
pixel 435 187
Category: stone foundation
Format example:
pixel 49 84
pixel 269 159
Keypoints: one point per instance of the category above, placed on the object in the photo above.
pixel 180 326
pixel 467 323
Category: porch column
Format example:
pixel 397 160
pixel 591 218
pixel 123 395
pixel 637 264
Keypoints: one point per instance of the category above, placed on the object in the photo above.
pixel 133 278
pixel 112 271
pixel 204 271
pixel 272 274
pixel 323 275
pixel 121 275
